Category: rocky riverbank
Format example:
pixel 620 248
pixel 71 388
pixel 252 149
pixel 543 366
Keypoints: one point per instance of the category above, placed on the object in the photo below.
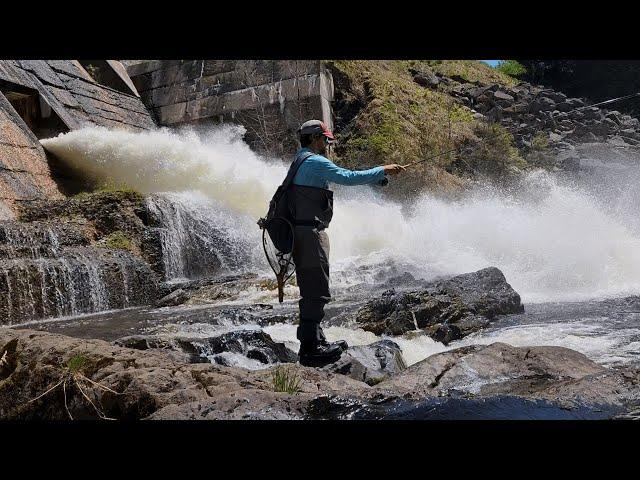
pixel 93 377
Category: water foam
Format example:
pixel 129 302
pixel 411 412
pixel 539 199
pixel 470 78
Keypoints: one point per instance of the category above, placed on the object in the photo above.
pixel 554 240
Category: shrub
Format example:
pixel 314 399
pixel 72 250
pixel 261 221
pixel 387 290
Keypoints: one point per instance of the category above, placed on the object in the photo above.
pixel 513 68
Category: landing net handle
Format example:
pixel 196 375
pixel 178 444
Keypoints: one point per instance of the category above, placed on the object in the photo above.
pixel 281 263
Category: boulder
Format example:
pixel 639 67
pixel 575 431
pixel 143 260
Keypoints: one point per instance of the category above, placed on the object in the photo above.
pixel 426 79
pixel 614 116
pixel 370 363
pixel 493 369
pixel 553 95
pixel 592 113
pixel 543 104
pixel 447 309
pixel 503 98
pixel 131 384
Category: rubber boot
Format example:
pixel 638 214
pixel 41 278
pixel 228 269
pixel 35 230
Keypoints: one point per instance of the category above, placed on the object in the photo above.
pixel 319 354
pixel 323 340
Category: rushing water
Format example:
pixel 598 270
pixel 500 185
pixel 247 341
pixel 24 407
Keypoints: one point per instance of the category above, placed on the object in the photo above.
pixel 557 238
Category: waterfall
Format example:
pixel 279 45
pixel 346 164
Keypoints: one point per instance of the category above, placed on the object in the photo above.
pixel 48 271
pixel 555 238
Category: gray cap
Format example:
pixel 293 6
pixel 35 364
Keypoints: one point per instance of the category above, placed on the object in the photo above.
pixel 315 126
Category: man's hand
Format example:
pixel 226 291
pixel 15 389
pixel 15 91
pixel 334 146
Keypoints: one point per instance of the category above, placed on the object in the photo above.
pixel 393 169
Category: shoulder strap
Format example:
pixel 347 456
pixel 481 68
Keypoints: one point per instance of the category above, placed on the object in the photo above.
pixel 293 169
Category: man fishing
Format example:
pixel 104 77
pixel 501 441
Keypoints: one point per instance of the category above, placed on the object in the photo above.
pixel 311 206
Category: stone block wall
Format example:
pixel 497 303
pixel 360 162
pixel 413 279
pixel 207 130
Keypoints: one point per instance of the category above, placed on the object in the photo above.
pixel 271 98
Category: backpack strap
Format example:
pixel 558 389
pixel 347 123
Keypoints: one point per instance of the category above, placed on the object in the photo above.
pixel 293 169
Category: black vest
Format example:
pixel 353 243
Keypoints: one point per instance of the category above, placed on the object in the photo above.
pixel 311 206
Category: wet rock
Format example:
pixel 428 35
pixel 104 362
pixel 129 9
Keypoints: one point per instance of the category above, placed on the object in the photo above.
pixel 447 309
pixel 507 382
pixel 494 369
pixel 177 297
pixel 150 384
pixel 72 280
pixel 370 363
pixel 179 349
pixel 570 163
pixel 251 344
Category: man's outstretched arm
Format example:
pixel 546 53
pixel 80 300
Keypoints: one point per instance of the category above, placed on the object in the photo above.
pixel 329 171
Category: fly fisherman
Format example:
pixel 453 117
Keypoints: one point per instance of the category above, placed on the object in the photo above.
pixel 311 207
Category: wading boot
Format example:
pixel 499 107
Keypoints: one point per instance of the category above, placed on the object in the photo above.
pixel 321 353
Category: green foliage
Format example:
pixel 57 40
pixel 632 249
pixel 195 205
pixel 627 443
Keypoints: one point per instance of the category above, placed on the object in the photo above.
pixel 111 186
pixel 540 141
pixel 513 68
pixel 118 240
pixel 494 156
pixel 285 380
pixel 77 363
pixel 538 156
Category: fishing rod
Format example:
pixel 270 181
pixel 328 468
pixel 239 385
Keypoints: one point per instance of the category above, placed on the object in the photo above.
pixel 606 102
pixel 431 157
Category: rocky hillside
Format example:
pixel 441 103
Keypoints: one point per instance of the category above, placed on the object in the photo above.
pixel 597 80
pixel 402 111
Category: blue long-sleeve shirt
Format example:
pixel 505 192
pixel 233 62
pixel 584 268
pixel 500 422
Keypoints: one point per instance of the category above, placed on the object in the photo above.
pixel 318 171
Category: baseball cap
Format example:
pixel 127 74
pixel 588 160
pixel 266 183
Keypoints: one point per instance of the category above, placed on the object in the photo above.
pixel 315 126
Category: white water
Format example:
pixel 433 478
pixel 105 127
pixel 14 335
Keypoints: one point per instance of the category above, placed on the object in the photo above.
pixel 553 241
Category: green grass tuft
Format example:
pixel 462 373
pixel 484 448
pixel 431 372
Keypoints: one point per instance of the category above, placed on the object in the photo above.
pixel 285 380
pixel 77 363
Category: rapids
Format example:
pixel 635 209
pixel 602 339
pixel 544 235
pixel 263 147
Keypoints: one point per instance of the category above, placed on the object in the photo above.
pixel 565 242
pixel 555 238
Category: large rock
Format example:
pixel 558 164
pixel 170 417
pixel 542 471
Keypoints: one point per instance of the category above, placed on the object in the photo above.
pixel 447 309
pixel 370 363
pixel 546 372
pixel 148 384
pixel 426 79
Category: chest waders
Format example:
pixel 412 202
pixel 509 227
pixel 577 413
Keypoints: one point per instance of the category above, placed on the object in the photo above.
pixel 311 209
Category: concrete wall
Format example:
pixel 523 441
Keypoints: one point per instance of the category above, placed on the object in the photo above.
pixel 270 98
pixel 64 97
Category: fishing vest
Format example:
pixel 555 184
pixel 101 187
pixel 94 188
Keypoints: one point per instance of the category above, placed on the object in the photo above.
pixel 311 206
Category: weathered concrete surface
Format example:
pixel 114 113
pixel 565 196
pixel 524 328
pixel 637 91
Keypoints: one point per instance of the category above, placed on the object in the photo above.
pixel 74 96
pixel 54 96
pixel 271 98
